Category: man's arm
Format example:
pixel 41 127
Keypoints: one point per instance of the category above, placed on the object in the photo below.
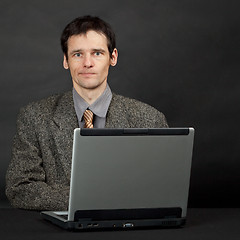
pixel 26 184
pixel 161 121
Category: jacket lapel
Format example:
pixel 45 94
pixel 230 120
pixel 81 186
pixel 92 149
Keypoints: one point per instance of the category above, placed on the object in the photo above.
pixel 117 116
pixel 65 121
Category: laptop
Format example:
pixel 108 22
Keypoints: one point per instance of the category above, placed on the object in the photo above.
pixel 128 178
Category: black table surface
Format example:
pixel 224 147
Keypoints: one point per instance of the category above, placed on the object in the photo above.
pixel 202 223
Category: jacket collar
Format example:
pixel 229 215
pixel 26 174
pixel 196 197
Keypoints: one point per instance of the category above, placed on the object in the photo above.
pixel 65 116
pixel 66 119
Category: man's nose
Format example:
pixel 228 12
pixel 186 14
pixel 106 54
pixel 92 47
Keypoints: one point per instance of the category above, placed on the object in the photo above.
pixel 88 62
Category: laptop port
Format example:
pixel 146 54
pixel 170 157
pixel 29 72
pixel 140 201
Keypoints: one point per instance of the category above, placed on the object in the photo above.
pixel 92 225
pixel 128 225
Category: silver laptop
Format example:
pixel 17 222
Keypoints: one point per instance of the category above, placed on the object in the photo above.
pixel 128 178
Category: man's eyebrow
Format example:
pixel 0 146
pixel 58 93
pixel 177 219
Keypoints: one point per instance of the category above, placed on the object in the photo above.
pixel 98 50
pixel 77 50
pixel 93 50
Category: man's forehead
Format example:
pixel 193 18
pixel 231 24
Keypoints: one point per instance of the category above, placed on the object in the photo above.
pixel 89 38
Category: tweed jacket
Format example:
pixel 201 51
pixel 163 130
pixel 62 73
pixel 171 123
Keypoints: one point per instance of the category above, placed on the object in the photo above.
pixel 38 176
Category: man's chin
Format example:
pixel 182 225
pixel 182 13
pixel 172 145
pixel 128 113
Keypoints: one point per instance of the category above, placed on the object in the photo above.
pixel 92 86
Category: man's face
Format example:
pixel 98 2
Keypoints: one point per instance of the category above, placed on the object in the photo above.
pixel 89 61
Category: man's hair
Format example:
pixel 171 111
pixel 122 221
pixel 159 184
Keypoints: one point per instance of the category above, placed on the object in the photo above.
pixel 82 25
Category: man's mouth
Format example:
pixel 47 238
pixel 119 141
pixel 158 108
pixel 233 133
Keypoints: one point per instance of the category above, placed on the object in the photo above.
pixel 87 74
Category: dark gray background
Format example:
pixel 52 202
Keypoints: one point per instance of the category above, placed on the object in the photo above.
pixel 182 57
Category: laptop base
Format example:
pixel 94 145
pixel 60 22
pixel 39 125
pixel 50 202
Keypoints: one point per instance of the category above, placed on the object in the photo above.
pixel 118 219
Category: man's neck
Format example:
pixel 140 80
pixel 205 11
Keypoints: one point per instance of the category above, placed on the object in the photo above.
pixel 90 95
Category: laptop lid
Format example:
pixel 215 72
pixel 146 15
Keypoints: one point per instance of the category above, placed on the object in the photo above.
pixel 127 173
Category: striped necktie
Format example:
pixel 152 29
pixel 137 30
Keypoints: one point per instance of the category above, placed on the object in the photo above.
pixel 88 118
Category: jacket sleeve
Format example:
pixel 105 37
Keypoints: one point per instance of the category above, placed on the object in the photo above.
pixel 161 121
pixel 26 185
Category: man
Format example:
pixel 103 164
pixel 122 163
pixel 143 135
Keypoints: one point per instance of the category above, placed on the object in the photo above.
pixel 38 176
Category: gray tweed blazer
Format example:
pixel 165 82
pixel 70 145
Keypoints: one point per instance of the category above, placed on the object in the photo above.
pixel 38 176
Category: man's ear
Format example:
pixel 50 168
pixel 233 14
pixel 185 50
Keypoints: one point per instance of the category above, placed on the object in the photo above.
pixel 65 62
pixel 113 60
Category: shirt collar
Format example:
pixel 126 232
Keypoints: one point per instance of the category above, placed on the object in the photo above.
pixel 99 107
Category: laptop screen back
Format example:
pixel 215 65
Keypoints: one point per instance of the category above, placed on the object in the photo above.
pixel 130 169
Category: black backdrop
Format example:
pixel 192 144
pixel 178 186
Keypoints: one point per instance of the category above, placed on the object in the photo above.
pixel 182 57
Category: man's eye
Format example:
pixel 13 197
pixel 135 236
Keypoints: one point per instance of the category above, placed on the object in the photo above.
pixel 98 53
pixel 77 54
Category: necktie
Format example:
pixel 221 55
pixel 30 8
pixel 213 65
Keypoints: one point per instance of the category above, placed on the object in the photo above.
pixel 88 118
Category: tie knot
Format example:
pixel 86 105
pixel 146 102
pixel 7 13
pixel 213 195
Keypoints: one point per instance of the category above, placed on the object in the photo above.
pixel 88 118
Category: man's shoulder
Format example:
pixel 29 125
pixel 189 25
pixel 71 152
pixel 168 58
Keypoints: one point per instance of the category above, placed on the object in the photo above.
pixel 48 104
pixel 139 114
pixel 132 103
